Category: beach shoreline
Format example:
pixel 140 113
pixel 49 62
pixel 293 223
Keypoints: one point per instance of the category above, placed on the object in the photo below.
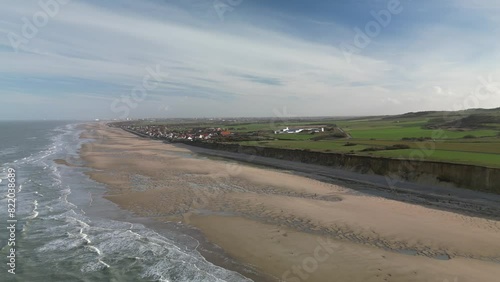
pixel 448 198
pixel 191 236
pixel 272 221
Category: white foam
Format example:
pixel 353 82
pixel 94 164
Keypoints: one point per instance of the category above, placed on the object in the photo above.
pixel 105 264
pixel 60 245
pixel 72 218
pixel 94 249
pixel 85 237
pixel 94 266
pixel 32 216
pixel 87 241
pixel 34 212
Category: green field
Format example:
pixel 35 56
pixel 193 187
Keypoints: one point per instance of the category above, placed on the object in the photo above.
pixel 468 137
pixel 472 143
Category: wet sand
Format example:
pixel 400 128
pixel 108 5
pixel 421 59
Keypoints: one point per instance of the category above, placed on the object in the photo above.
pixel 291 227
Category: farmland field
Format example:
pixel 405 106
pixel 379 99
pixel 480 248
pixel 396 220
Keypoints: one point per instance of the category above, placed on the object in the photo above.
pixel 468 137
pixel 477 144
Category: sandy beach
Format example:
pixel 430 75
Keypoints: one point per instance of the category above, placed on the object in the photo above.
pixel 288 227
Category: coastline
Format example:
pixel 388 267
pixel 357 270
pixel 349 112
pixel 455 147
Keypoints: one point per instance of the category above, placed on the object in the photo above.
pixel 399 170
pixel 274 222
pixel 168 226
pixel 448 198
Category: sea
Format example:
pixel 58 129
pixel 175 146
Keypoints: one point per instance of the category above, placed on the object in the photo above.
pixel 66 231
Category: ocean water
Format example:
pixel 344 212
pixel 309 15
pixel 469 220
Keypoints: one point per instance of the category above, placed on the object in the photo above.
pixel 67 232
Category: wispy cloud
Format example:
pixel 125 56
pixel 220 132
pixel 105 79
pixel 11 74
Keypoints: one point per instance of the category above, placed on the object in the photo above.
pixel 99 51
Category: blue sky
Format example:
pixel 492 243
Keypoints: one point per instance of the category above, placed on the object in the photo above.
pixel 200 58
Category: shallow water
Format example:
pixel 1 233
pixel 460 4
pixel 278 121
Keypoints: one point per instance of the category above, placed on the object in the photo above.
pixel 67 232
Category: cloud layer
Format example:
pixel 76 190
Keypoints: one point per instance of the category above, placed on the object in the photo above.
pixel 244 60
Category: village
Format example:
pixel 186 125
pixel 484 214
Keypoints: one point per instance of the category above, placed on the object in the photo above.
pixel 182 133
pixel 178 134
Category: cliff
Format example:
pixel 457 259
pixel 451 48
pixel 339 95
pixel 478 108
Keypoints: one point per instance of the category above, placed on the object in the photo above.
pixel 472 177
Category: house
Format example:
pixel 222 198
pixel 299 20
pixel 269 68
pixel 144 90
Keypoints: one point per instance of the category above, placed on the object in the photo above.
pixel 299 130
pixel 281 131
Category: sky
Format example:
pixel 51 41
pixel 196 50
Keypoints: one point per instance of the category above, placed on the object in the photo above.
pixel 70 59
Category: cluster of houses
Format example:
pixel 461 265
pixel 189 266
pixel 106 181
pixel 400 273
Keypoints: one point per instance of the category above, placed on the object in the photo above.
pixel 184 132
pixel 288 130
pixel 191 134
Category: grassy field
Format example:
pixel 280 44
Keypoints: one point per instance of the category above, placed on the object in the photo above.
pixel 469 137
pixel 466 143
